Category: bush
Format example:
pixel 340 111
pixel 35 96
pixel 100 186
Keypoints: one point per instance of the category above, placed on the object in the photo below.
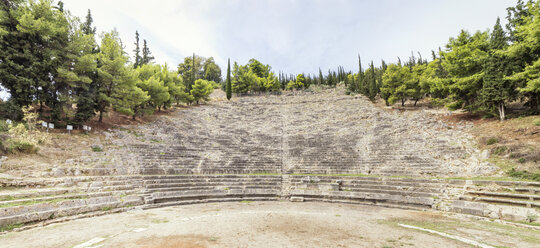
pixel 523 175
pixel 4 127
pixel 499 150
pixel 24 141
pixel 22 147
pixel 492 141
pixel 97 148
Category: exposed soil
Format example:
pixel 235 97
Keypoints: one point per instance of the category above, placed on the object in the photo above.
pixel 175 241
pixel 513 143
pixel 269 224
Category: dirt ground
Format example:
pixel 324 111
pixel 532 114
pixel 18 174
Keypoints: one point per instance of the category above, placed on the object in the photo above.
pixel 269 224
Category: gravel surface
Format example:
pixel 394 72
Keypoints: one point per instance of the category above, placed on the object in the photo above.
pixel 257 224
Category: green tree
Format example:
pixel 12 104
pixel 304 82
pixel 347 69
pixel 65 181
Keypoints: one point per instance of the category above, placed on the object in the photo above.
pixel 87 93
pixel 137 50
pixel 271 83
pixel 87 25
pixel 525 56
pixel 464 60
pixel 202 89
pixel 174 83
pixel 127 98
pixel 156 89
pixel 211 70
pixel 258 68
pixel 146 54
pixel 112 72
pixel 298 84
pixel 243 79
pixel 190 70
pixel 228 87
pixel 371 82
pixel 394 84
pixel 495 90
pixel 26 72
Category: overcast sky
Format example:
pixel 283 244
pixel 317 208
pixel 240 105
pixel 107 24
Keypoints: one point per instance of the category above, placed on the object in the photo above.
pixel 293 36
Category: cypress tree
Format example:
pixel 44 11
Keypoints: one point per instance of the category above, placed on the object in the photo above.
pixel 229 85
pixel 138 59
pixel 87 25
pixel 371 82
pixel 147 55
pixel 360 88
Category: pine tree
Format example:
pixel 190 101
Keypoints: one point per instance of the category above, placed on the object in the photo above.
pixel 16 69
pixel 229 86
pixel 87 93
pixel 138 58
pixel 495 90
pixel 147 55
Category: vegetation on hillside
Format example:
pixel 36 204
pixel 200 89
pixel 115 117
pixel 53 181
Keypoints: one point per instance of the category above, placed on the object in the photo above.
pixel 52 60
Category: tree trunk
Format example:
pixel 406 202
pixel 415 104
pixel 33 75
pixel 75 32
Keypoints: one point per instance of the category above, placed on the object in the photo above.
pixel 101 116
pixel 415 101
pixel 501 111
pixel 403 102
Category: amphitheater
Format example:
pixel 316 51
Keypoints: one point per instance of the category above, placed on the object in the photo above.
pixel 303 169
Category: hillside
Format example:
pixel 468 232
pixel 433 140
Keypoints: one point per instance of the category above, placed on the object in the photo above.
pixel 324 132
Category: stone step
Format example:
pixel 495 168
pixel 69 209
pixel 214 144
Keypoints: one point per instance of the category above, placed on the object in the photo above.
pixel 528 190
pixel 504 201
pixel 51 198
pixel 518 184
pixel 211 194
pixel 413 193
pixel 208 200
pixel 31 193
pixel 505 195
pixel 212 180
pixel 197 177
pixel 45 211
pixel 374 198
pixel 209 184
pixel 181 189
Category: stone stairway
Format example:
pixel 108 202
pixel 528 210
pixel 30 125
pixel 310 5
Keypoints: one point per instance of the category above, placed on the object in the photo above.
pixel 178 190
pixel 519 201
pixel 74 196
pixel 390 192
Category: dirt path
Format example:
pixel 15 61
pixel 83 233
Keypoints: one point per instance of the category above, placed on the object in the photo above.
pixel 272 224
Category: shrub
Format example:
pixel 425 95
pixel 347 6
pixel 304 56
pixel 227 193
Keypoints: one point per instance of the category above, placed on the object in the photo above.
pixel 4 127
pixel 24 141
pixel 22 147
pixel 522 160
pixel 531 217
pixel 97 148
pixel 492 141
pixel 523 175
pixel 499 150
